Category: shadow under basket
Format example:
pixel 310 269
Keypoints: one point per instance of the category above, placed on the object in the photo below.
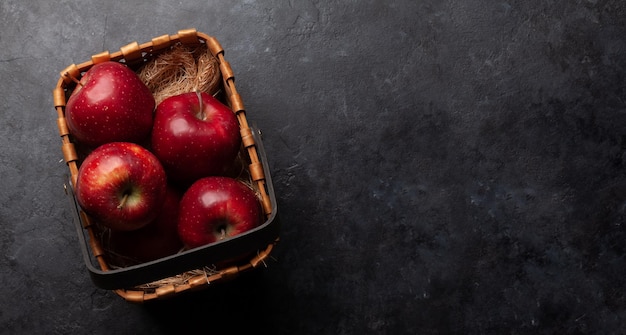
pixel 187 270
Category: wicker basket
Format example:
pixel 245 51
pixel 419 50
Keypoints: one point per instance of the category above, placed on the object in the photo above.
pixel 192 269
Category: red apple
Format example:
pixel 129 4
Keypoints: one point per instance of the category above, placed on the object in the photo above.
pixel 121 185
pixel 194 136
pixel 110 104
pixel 215 208
pixel 156 240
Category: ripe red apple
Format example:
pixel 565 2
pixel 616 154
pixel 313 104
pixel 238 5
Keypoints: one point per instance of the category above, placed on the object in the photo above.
pixel 156 240
pixel 110 104
pixel 215 208
pixel 121 185
pixel 194 135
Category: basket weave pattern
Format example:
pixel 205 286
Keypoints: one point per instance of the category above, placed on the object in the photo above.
pixel 133 55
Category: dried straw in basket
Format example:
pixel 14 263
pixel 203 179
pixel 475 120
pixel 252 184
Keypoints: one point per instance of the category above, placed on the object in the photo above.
pixel 180 70
pixel 180 279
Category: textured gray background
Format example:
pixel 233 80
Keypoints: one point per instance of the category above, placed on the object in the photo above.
pixel 441 166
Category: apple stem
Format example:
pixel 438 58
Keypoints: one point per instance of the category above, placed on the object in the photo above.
pixel 123 202
pixel 223 234
pixel 201 113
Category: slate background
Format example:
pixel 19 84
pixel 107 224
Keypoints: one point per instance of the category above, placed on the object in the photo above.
pixel 441 166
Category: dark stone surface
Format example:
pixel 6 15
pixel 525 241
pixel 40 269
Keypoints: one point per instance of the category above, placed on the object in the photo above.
pixel 441 166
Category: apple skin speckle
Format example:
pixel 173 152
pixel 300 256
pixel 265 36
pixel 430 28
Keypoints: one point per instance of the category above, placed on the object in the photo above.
pixel 189 147
pixel 215 208
pixel 122 185
pixel 98 111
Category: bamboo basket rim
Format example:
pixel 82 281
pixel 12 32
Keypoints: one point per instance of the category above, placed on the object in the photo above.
pixel 134 54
